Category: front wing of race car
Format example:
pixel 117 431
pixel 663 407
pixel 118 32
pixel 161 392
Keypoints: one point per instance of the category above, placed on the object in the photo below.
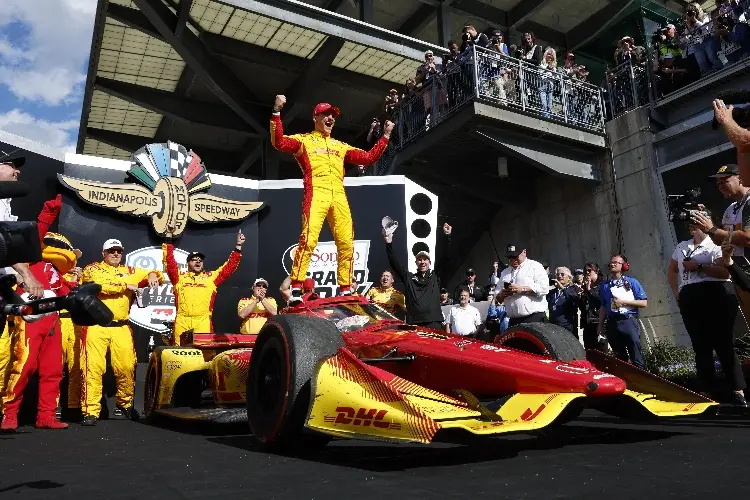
pixel 352 399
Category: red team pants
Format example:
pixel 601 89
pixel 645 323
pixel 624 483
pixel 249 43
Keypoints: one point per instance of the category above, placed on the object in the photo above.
pixel 37 347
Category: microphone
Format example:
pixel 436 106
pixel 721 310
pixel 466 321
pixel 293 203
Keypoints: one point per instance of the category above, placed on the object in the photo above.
pixel 14 189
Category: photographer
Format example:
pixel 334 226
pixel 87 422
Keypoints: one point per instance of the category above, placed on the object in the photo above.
pixel 9 171
pixel 700 283
pixel 735 226
pixel 470 37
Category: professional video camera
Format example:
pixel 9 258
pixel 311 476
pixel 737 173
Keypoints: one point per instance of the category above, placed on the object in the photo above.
pixel 683 206
pixel 466 37
pixel 740 115
pixel 19 242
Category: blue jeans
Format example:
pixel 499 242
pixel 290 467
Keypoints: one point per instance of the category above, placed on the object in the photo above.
pixel 624 336
pixel 545 94
pixel 705 55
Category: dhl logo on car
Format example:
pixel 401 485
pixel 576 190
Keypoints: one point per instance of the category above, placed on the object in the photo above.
pixel 362 416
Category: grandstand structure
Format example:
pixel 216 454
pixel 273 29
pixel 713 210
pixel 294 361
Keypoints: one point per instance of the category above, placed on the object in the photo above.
pixel 567 178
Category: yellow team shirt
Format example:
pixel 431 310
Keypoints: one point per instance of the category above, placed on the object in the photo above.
pixel 389 299
pixel 257 318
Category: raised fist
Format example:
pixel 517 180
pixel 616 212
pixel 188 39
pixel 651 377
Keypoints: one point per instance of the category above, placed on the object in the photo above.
pixel 447 229
pixel 279 103
pixel 388 128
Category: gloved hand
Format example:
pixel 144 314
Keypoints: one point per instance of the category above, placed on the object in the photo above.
pixel 49 213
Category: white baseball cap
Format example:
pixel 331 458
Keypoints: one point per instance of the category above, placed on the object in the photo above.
pixel 423 253
pixel 260 280
pixel 112 244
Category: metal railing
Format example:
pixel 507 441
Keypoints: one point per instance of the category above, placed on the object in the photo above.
pixel 486 75
pixel 627 88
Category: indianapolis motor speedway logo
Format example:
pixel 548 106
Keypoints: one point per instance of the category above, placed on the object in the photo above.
pixel 169 181
pixel 324 266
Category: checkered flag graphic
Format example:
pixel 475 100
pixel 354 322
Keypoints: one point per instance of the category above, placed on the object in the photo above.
pixel 179 159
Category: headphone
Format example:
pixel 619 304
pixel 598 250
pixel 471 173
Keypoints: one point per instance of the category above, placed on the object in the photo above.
pixel 625 265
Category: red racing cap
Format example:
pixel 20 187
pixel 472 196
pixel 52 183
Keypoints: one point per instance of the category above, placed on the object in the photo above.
pixel 324 107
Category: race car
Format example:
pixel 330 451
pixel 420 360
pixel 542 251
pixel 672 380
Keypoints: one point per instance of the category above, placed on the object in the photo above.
pixel 344 367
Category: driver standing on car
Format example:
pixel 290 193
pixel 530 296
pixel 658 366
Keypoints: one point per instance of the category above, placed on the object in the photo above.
pixel 195 290
pixel 119 284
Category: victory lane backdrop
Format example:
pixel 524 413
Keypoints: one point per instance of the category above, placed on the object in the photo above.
pixel 88 227
pixel 281 223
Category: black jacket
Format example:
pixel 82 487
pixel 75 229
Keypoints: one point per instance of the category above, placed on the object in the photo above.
pixel 478 295
pixel 589 305
pixel 564 311
pixel 422 291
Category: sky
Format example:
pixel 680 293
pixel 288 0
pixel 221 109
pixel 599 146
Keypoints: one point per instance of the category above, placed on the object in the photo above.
pixel 44 47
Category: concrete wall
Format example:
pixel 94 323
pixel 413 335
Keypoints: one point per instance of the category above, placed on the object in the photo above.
pixel 575 221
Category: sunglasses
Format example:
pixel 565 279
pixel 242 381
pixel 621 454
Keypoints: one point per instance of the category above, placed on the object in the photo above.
pixel 196 259
pixel 261 285
pixel 115 251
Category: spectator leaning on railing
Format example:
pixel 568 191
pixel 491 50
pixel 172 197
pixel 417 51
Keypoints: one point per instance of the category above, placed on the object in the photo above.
pixel 529 51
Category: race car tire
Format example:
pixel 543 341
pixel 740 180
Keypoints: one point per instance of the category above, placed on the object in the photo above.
pixel 544 339
pixel 279 383
pixel 152 385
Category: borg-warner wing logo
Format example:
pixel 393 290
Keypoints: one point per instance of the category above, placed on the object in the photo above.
pixel 171 180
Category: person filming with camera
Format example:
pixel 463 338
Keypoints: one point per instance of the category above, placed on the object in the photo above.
pixel 700 282
pixel 735 227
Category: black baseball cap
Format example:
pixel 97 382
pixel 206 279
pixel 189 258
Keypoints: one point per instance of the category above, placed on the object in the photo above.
pixel 513 251
pixel 193 255
pixel 12 158
pixel 578 271
pixel 443 290
pixel 470 271
pixel 726 171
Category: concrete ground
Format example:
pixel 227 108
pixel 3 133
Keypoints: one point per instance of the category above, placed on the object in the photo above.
pixel 594 457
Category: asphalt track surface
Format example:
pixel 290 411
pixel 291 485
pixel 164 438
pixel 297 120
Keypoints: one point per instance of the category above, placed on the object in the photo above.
pixel 593 457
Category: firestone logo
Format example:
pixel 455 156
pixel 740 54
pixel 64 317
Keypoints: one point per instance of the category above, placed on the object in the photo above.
pixel 324 266
pixel 158 303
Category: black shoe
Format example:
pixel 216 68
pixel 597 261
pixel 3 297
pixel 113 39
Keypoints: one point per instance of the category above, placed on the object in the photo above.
pixel 296 297
pixel 738 400
pixel 130 413
pixel 71 415
pixel 89 421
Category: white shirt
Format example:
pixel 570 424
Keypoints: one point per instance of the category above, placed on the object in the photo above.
pixel 529 274
pixel 463 321
pixel 732 219
pixel 706 253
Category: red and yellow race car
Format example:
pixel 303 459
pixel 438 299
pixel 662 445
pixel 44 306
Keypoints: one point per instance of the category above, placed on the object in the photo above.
pixel 344 367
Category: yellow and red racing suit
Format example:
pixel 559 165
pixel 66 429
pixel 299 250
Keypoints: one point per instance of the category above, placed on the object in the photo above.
pixel 322 160
pixel 194 294
pixel 71 345
pixel 117 336
pixel 254 321
pixel 389 299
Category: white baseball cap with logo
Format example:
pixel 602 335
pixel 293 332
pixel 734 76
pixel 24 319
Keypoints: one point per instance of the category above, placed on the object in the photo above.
pixel 112 243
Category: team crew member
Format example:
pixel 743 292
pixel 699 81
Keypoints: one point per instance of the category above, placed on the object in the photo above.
pixel 119 284
pixel 322 160
pixel 700 283
pixel 423 287
pixel 255 310
pixel 621 298
pixel 736 218
pixel 525 287
pixel 37 342
pixel 463 319
pixel 386 296
pixel 195 290
pixel 71 347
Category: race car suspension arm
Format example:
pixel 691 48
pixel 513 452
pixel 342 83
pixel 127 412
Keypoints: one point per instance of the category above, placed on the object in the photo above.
pixel 390 357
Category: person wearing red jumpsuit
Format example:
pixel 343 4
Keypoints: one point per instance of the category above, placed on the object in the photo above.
pixel 37 345
pixel 321 159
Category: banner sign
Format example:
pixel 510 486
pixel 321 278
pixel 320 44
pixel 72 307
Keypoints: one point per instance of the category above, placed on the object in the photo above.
pixel 324 266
